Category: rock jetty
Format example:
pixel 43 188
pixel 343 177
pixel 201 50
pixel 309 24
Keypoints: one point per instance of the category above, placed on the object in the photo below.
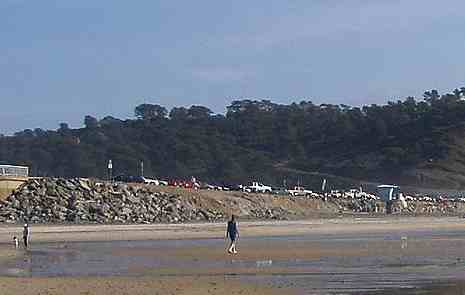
pixel 51 200
pixel 56 200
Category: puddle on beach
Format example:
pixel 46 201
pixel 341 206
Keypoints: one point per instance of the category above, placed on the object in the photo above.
pixel 322 264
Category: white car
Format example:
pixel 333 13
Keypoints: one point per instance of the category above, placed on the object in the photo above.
pixel 258 187
pixel 151 181
pixel 163 182
pixel 299 191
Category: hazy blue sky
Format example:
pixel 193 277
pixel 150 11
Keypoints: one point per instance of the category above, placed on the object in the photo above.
pixel 61 60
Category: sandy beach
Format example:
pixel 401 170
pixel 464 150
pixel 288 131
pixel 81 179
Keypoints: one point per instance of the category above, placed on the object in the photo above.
pixel 335 256
pixel 69 233
pixel 124 285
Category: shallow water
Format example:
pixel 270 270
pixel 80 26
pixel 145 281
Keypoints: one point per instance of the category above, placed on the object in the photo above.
pixel 359 263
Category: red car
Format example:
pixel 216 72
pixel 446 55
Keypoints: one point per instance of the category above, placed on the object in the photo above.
pixel 183 183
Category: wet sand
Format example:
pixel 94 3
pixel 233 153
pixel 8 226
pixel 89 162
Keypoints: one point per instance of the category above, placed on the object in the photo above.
pixel 339 256
pixel 438 288
pixel 126 286
pixel 68 233
pixel 8 253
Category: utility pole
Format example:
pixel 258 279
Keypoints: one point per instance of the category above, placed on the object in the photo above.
pixel 142 168
pixel 110 170
pixel 323 189
pixel 323 185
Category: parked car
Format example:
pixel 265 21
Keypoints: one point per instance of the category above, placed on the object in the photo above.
pixel 234 187
pixel 280 191
pixel 163 182
pixel 246 189
pixel 299 191
pixel 206 186
pixel 258 187
pixel 184 184
pixel 172 182
pixel 129 179
pixel 151 181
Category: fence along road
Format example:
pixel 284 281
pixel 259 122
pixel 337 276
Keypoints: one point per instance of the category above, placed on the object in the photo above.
pixel 11 177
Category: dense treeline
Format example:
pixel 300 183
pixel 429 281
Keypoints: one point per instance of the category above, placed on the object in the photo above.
pixel 254 139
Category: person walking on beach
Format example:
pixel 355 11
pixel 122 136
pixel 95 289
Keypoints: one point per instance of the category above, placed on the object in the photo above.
pixel 233 233
pixel 26 234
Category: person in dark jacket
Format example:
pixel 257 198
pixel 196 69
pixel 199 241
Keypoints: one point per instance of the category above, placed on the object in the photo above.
pixel 26 235
pixel 233 233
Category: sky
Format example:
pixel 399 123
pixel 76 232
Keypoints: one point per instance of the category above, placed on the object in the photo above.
pixel 62 60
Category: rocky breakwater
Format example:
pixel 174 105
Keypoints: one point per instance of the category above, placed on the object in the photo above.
pixel 52 200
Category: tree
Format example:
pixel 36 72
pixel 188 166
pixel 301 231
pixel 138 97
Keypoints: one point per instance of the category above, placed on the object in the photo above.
pixel 179 113
pixel 431 96
pixel 256 139
pixel 63 127
pixel 39 132
pixel 91 122
pixel 25 133
pixel 199 112
pixel 150 111
pixel 109 120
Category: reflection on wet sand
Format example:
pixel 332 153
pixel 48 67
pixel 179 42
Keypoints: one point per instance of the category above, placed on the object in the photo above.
pixel 318 264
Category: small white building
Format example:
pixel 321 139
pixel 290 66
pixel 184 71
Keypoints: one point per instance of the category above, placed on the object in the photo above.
pixel 388 192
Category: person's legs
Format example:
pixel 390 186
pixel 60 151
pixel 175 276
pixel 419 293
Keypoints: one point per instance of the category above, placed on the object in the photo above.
pixel 234 247
pixel 25 242
pixel 230 247
pixel 233 244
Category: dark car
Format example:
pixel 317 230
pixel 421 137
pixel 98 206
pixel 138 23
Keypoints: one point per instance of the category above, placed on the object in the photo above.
pixel 232 186
pixel 280 191
pixel 129 179
pixel 137 179
pixel 121 178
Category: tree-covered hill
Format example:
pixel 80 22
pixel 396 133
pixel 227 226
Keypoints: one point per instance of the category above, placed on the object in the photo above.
pixel 414 141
